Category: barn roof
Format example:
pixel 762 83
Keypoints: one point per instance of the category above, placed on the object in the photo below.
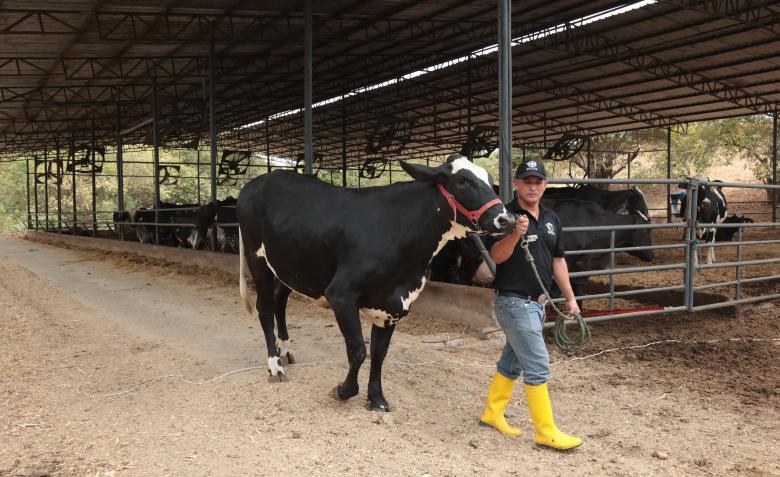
pixel 71 69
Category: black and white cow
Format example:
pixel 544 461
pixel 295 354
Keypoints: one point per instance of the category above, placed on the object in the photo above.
pixel 366 251
pixel 224 212
pixel 711 208
pixel 583 213
pixel 624 201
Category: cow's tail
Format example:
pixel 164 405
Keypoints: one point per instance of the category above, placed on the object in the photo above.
pixel 243 265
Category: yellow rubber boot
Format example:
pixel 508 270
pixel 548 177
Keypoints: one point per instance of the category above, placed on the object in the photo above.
pixel 498 397
pixel 547 434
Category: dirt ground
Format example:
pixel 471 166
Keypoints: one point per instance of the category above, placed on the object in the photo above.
pixel 114 366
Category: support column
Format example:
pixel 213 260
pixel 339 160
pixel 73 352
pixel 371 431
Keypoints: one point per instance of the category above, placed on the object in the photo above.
pixel 46 189
pixel 35 191
pixel 468 108
pixel 505 99
pixel 308 154
pixel 27 175
pixel 156 160
pixel 343 146
pixel 94 188
pixel 267 147
pixel 587 151
pixel 774 166
pixel 59 189
pixel 72 158
pixel 197 174
pixel 120 174
pixel 669 174
pixel 213 140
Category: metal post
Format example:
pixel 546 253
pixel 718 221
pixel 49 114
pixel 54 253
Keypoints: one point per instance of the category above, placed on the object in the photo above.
pixel 120 175
pixel 739 260
pixel 587 167
pixel 668 174
pixel 612 267
pixel 94 188
pixel 468 108
pixel 690 238
pixel 46 189
pixel 35 191
pixel 197 175
pixel 774 166
pixel 628 166
pixel 27 175
pixel 59 189
pixel 267 147
pixel 505 98
pixel 72 158
pixel 156 160
pixel 343 147
pixel 308 153
pixel 213 140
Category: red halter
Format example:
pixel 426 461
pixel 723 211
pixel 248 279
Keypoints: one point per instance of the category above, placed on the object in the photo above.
pixel 472 215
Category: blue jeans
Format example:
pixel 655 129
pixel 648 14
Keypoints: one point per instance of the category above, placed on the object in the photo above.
pixel 525 352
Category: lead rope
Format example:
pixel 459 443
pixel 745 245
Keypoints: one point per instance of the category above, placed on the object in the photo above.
pixel 563 341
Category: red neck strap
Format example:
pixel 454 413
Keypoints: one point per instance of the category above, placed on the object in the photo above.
pixel 472 215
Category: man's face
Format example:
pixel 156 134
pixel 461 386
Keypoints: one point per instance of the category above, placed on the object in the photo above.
pixel 530 189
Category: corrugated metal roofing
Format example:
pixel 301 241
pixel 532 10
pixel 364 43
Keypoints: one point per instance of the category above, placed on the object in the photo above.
pixel 71 68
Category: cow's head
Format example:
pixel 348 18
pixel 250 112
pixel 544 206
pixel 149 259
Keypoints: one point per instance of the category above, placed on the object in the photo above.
pixel 637 204
pixel 642 238
pixel 470 186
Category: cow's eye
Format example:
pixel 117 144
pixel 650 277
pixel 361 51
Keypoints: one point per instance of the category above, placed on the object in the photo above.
pixel 462 180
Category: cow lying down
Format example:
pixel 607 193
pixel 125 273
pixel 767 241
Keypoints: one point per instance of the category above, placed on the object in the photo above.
pixel 366 251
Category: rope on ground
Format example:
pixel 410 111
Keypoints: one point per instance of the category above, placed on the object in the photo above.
pixel 475 364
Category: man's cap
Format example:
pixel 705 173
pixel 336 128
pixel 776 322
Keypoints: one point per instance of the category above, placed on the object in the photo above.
pixel 531 168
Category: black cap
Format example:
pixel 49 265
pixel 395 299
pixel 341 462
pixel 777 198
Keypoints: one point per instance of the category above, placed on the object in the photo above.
pixel 531 168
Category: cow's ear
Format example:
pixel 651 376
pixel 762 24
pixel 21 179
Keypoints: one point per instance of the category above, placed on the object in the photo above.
pixel 423 173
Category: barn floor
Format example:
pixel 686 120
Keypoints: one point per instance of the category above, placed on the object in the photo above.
pixel 109 365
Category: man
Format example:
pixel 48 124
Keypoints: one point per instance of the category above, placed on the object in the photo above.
pixel 519 307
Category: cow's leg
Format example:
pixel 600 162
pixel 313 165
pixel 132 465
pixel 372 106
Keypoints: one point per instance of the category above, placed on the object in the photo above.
pixel 281 293
pixel 711 250
pixel 380 341
pixel 347 316
pixel 264 282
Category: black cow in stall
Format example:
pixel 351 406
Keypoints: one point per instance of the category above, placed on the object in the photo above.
pixel 625 201
pixel 711 208
pixel 459 259
pixel 457 262
pixel 173 236
pixel 367 251
pixel 583 213
pixel 726 234
pixel 223 212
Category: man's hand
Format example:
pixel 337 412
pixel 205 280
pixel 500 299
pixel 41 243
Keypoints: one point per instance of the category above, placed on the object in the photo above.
pixel 521 226
pixel 572 307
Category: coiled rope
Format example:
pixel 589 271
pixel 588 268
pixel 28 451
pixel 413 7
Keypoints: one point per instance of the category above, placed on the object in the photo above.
pixel 563 340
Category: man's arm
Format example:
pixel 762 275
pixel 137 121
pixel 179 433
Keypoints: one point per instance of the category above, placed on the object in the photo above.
pixel 561 277
pixel 503 249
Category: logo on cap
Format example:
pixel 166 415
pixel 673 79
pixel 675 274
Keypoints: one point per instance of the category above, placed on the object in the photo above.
pixel 531 164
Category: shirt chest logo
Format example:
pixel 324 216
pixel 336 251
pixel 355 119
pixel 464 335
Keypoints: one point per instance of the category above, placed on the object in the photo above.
pixel 550 228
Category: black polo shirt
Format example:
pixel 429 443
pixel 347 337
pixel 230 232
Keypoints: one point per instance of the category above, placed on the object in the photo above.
pixel 515 274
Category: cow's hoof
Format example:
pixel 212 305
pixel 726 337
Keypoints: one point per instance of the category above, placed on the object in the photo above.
pixel 343 394
pixel 279 378
pixel 379 405
pixel 288 359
